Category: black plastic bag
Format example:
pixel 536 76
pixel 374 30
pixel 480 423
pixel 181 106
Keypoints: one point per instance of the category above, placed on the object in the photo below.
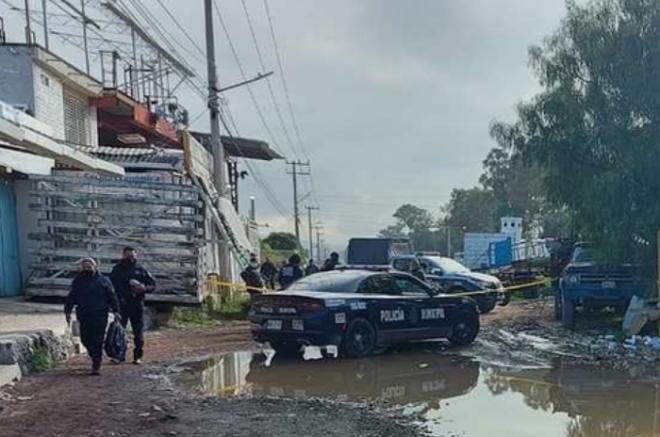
pixel 115 342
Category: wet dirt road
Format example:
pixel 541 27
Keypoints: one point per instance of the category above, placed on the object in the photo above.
pixel 450 394
pixel 523 377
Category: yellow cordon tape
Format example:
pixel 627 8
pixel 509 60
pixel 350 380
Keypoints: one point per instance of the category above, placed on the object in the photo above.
pixel 503 290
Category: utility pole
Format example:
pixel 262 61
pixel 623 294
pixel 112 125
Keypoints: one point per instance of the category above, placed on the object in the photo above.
pixel 45 20
pixel 84 21
pixel 216 144
pixel 309 222
pixel 28 29
pixel 318 242
pixel 298 168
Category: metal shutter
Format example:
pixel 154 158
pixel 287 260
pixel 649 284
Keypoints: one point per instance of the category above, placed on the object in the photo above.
pixel 76 126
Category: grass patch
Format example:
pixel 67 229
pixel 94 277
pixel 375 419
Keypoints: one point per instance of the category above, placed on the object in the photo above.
pixel 41 360
pixel 235 309
pixel 212 311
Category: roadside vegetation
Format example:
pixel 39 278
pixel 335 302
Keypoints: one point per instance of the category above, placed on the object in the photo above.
pixel 212 311
pixel 41 360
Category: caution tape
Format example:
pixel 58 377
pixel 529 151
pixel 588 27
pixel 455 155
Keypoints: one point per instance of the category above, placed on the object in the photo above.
pixel 240 286
pixel 503 290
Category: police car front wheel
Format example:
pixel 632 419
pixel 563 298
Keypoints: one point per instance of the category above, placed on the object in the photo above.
pixel 360 338
pixel 466 328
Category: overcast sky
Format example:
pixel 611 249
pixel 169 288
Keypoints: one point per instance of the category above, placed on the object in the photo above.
pixel 393 98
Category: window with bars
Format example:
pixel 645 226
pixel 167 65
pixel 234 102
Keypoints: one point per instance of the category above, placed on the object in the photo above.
pixel 76 123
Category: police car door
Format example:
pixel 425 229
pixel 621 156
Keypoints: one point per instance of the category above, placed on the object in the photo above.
pixel 389 310
pixel 412 297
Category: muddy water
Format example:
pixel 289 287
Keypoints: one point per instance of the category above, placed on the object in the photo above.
pixel 452 395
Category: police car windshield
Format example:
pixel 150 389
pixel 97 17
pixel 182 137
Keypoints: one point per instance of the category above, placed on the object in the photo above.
pixel 328 282
pixel 447 265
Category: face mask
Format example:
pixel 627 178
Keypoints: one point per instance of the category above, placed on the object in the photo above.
pixel 254 264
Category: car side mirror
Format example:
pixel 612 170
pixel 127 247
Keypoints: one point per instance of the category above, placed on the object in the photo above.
pixel 437 272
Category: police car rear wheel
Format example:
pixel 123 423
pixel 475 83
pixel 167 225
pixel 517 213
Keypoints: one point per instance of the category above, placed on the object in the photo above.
pixel 465 329
pixel 360 338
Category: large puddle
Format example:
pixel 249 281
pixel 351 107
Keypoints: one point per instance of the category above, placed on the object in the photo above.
pixel 453 395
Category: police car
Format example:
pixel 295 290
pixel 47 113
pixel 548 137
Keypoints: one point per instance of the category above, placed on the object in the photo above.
pixel 360 311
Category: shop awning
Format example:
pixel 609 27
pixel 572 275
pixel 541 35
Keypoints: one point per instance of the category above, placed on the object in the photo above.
pixel 25 162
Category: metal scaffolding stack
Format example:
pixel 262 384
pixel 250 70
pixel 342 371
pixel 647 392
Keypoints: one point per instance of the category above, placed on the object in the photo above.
pixel 80 216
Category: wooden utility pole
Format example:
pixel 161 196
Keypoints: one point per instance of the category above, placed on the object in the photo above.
pixel 217 149
pixel 309 223
pixel 298 168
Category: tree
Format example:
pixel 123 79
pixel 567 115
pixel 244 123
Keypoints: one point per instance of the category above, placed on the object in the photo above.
pixel 473 209
pixel 415 223
pixel 281 241
pixel 594 130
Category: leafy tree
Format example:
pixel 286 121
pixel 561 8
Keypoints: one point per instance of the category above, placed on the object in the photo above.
pixel 415 223
pixel 281 241
pixel 473 209
pixel 595 128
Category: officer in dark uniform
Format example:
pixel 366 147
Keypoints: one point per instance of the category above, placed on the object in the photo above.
pixel 290 272
pixel 331 262
pixel 252 277
pixel 132 281
pixel 415 269
pixel 93 296
pixel 268 272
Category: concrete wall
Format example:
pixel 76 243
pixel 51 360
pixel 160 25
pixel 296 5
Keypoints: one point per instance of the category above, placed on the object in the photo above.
pixel 49 100
pixel 16 77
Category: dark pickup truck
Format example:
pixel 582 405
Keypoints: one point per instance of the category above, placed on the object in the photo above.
pixel 589 283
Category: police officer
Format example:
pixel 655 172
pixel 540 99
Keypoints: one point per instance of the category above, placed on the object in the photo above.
pixel 415 269
pixel 93 296
pixel 311 268
pixel 132 281
pixel 331 262
pixel 252 277
pixel 268 272
pixel 290 272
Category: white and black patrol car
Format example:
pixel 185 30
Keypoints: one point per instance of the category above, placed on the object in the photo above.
pixel 360 311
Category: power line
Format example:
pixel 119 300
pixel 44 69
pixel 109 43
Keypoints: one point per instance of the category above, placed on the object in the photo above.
pixel 265 188
pixel 283 78
pixel 238 62
pixel 270 86
pixel 181 28
pixel 286 91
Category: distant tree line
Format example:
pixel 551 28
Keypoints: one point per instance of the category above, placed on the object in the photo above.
pixel 582 158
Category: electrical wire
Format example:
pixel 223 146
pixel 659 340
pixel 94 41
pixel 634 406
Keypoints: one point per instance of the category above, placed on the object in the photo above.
pixel 276 105
pixel 239 64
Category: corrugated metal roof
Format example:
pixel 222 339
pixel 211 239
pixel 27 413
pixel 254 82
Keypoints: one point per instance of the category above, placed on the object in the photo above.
pixel 136 157
pixel 241 147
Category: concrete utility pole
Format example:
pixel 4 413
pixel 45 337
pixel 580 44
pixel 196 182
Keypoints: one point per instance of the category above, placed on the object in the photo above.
pixel 297 169
pixel 84 29
pixel 318 242
pixel 216 143
pixel 309 223
pixel 28 29
pixel 45 20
